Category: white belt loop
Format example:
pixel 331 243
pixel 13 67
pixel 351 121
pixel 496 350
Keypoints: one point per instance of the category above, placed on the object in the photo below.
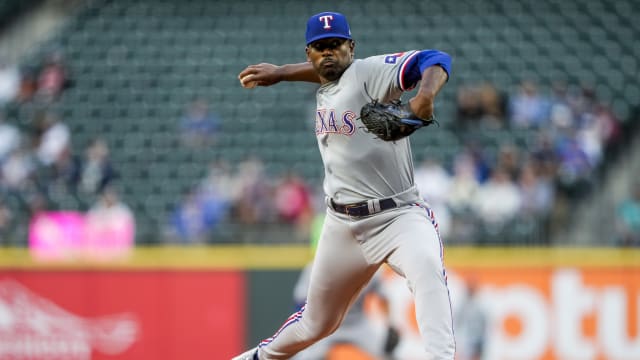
pixel 374 206
pixel 327 201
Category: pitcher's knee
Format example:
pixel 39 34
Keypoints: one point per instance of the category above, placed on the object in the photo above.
pixel 429 270
pixel 316 331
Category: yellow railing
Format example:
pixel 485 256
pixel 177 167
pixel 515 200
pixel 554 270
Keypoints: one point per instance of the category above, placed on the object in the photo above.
pixel 293 257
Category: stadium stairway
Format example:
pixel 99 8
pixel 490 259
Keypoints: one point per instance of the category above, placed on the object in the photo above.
pixel 594 222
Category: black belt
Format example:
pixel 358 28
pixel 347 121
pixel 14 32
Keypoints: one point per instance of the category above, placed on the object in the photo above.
pixel 362 208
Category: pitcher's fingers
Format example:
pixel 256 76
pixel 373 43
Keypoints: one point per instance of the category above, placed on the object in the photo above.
pixel 247 71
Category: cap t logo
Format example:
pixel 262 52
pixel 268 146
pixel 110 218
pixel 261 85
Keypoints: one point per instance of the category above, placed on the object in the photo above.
pixel 326 19
pixel 326 25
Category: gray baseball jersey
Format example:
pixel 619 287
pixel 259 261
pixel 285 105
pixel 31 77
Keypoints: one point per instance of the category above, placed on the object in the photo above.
pixel 384 168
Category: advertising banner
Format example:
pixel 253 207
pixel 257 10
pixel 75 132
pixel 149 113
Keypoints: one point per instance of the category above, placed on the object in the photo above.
pixel 121 315
pixel 533 313
pixel 67 235
pixel 203 302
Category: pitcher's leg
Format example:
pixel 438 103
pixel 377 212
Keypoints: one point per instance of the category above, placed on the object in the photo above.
pixel 418 258
pixel 339 273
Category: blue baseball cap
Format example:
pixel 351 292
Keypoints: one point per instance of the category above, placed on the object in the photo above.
pixel 327 25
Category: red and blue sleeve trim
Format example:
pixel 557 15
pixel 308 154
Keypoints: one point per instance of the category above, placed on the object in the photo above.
pixel 405 68
pixel 414 65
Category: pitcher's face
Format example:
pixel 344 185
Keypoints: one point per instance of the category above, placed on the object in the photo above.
pixel 330 57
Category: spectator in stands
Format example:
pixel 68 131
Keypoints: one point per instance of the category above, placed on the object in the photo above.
pixel 53 138
pixel 204 206
pixel 597 128
pixel 57 167
pixel 219 184
pixel 561 114
pixel 53 77
pixel 497 201
pixel 481 160
pixel 480 106
pixel 215 194
pixel 543 157
pixel 468 107
pixel 18 180
pixel 9 82
pixel 189 220
pixel 10 138
pixel 528 108
pixel 590 139
pixel 463 187
pixel 28 85
pixel 17 169
pixel 6 219
pixel 582 102
pixel 544 154
pixel 608 126
pixel 254 204
pixel 434 182
pixel 628 218
pixel 509 159
pixel 97 169
pixel 574 168
pixel 61 178
pixel 110 231
pixel 493 106
pixel 464 183
pixel 537 193
pixel 292 200
pixel 199 126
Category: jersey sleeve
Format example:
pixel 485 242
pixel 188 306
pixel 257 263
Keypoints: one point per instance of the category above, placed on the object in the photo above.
pixel 387 76
pixel 415 64
pixel 379 75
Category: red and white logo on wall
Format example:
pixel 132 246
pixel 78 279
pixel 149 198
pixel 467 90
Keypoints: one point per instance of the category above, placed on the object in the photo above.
pixel 33 327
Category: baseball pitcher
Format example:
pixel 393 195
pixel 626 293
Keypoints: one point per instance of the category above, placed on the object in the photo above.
pixel 375 214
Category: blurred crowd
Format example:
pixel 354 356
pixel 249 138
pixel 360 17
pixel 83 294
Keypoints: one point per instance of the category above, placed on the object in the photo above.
pixel 245 195
pixel 39 168
pixel 526 156
pixel 42 83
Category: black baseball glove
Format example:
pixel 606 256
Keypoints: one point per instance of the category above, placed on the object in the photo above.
pixel 391 122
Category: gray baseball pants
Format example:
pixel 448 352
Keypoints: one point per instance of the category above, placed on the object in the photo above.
pixel 349 252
